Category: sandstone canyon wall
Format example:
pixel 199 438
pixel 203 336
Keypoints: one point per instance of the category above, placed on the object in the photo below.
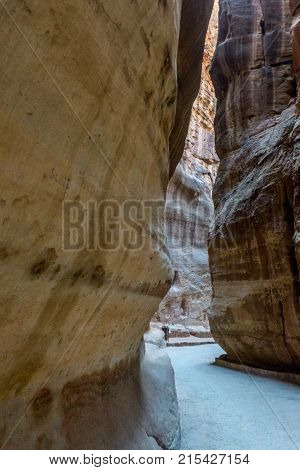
pixel 88 100
pixel 295 10
pixel 189 209
pixel 255 271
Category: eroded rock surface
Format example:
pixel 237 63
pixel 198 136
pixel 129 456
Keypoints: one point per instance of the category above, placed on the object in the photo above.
pixel 189 210
pixel 295 10
pixel 88 100
pixel 255 272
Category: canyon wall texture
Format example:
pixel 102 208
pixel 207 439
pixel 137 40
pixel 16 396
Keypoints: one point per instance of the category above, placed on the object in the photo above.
pixel 295 10
pixel 189 208
pixel 255 313
pixel 88 100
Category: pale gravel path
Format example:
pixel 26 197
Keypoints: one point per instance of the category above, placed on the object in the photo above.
pixel 225 409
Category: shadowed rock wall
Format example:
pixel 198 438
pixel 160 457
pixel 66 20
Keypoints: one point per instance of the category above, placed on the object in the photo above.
pixel 295 10
pixel 255 312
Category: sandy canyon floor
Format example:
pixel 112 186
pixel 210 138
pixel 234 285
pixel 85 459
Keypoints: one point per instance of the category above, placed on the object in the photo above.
pixel 225 409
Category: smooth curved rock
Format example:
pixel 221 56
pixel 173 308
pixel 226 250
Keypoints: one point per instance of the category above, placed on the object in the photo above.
pixel 88 100
pixel 255 313
pixel 140 411
pixel 155 335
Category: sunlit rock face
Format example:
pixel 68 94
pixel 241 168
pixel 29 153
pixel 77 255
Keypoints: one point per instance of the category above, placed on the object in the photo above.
pixel 88 102
pixel 255 272
pixel 189 208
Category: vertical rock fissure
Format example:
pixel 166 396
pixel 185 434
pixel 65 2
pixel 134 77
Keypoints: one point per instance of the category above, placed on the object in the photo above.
pixel 263 30
pixel 284 329
pixel 189 211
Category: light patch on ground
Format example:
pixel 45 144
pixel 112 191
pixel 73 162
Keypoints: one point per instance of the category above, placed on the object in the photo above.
pixel 226 409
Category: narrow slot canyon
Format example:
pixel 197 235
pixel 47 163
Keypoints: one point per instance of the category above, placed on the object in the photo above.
pixel 150 214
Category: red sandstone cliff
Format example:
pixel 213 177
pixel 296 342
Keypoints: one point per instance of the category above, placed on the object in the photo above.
pixel 255 272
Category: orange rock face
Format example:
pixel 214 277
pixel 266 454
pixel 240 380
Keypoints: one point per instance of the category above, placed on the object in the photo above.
pixel 255 312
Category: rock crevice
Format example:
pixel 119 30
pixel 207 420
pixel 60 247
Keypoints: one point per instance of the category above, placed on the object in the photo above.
pixel 189 211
